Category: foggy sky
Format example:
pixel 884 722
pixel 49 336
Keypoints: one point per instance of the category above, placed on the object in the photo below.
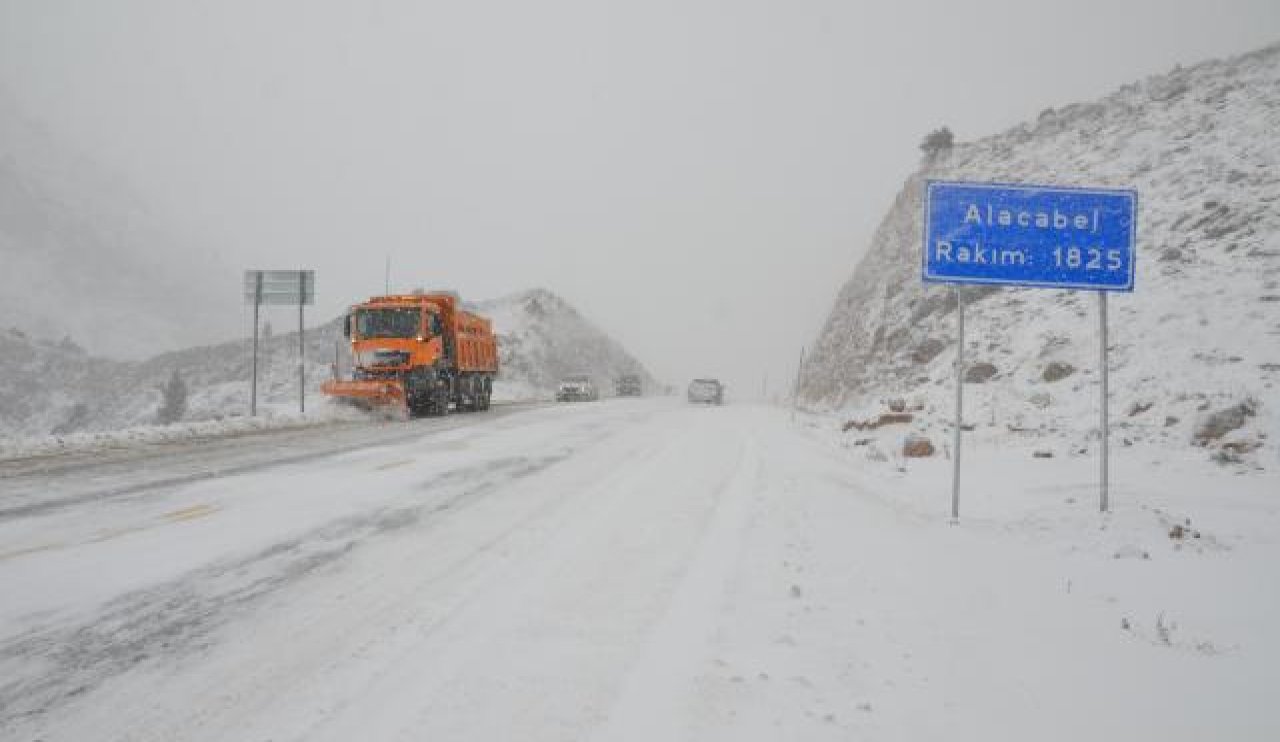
pixel 697 177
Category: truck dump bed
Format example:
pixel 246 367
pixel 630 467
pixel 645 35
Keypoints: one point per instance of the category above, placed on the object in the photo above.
pixel 477 350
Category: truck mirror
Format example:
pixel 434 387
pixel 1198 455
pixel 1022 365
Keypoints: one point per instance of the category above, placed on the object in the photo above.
pixel 346 326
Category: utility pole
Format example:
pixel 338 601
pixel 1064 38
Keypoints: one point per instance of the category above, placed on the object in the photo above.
pixel 795 388
pixel 302 345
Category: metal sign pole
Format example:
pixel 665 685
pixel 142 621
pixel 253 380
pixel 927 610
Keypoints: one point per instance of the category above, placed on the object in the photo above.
pixel 955 461
pixel 302 372
pixel 795 388
pixel 253 387
pixel 272 288
pixel 1104 425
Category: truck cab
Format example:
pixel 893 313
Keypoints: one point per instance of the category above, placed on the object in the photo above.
pixel 393 338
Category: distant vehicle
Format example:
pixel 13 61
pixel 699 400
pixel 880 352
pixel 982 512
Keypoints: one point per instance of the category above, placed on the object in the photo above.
pixel 577 389
pixel 706 391
pixel 421 352
pixel 628 385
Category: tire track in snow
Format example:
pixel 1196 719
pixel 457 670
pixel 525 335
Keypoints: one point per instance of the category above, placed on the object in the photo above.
pixel 654 701
pixel 443 646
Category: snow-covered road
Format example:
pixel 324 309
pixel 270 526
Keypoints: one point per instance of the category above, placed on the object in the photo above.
pixel 49 480
pixel 623 570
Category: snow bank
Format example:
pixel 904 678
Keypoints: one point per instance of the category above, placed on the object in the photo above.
pixel 273 417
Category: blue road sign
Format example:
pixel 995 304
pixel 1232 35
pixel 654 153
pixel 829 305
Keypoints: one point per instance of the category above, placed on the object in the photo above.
pixel 1026 235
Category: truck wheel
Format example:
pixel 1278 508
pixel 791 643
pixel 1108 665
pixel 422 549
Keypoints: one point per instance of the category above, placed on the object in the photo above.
pixel 438 406
pixel 469 398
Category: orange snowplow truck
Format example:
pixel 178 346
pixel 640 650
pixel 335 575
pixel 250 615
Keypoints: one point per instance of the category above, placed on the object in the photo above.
pixel 421 352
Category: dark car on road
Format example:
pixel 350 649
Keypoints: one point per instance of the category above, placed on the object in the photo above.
pixel 628 385
pixel 706 391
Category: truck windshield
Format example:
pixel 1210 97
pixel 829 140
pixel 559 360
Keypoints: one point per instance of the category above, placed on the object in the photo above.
pixel 388 323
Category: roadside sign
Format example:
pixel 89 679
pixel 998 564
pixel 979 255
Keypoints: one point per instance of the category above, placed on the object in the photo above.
pixel 280 287
pixel 275 288
pixel 1035 236
pixel 1030 235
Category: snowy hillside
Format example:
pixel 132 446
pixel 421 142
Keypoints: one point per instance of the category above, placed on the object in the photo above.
pixel 541 338
pixel 83 257
pixel 57 388
pixel 1195 350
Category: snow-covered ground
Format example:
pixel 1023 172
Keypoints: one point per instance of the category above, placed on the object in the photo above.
pixel 322 412
pixel 647 570
pixel 52 393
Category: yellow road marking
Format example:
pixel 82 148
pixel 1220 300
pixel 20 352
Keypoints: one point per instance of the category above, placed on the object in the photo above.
pixel 394 464
pixel 111 533
pixel 191 513
pixel 175 516
pixel 30 550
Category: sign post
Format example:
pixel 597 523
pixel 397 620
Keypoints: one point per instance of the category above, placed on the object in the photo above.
pixel 276 288
pixel 955 458
pixel 1036 237
pixel 1104 424
pixel 302 346
pixel 257 302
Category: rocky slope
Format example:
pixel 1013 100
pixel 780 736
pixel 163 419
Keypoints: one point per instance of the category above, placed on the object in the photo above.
pixel 1195 350
pixel 57 388
pixel 541 338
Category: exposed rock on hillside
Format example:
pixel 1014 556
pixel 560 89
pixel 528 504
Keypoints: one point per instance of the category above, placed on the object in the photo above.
pixel 1202 329
pixel 541 338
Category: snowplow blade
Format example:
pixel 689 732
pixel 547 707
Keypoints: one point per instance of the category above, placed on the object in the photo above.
pixel 370 392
